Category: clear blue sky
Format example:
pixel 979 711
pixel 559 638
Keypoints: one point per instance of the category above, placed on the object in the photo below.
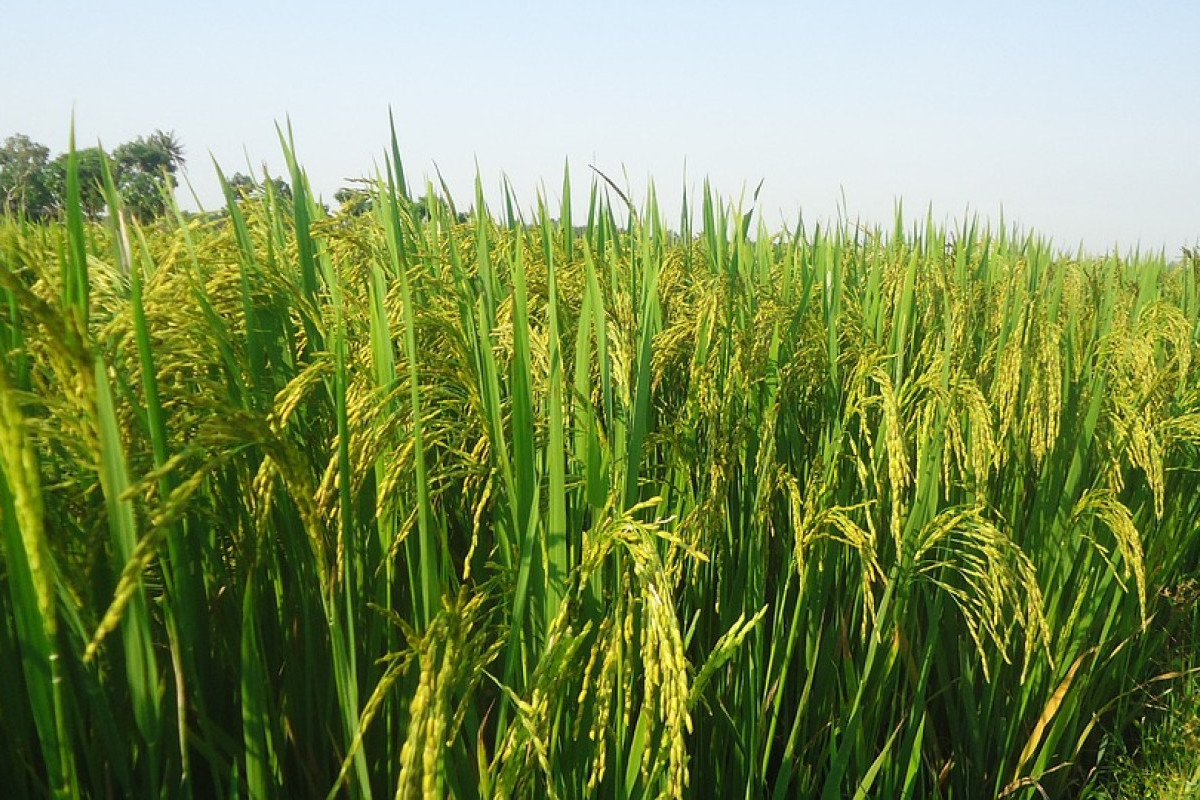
pixel 1079 119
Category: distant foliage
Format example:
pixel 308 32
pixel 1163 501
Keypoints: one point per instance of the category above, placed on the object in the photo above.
pixel 24 176
pixel 34 185
pixel 250 188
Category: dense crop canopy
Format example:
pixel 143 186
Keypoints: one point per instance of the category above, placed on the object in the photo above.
pixel 401 504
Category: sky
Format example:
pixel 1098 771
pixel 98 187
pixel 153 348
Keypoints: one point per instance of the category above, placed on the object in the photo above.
pixel 1077 120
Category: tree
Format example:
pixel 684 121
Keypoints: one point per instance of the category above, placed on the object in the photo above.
pixel 33 184
pixel 247 187
pixel 141 168
pixel 24 177
pixel 90 165
pixel 168 143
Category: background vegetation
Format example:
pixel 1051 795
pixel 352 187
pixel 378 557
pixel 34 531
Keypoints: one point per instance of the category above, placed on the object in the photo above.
pixel 34 185
pixel 1160 758
pixel 412 501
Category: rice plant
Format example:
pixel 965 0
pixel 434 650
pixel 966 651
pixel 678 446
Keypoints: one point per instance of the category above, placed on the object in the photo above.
pixel 405 505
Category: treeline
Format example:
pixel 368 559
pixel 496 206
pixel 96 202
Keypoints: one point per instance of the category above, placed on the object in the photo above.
pixel 35 185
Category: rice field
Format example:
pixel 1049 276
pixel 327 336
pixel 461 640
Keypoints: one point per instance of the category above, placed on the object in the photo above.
pixel 450 501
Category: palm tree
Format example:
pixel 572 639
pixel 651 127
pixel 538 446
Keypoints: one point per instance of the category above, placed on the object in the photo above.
pixel 169 144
